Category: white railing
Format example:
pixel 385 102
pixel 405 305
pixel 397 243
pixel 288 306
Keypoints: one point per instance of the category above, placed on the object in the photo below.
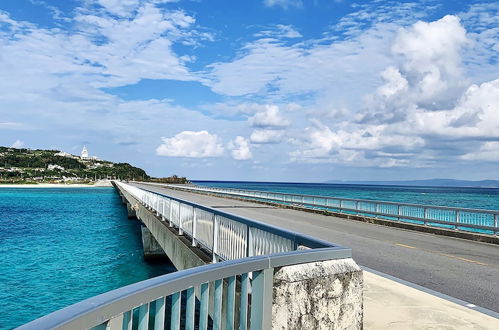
pixel 225 235
pixel 465 219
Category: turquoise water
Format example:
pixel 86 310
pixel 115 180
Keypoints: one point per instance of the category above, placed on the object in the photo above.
pixel 479 198
pixel 61 245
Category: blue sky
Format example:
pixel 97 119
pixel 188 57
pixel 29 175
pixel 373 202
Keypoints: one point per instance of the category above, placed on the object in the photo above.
pixel 271 90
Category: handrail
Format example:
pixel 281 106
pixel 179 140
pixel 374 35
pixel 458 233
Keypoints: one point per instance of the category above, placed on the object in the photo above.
pixel 225 235
pixel 459 218
pixel 253 272
pixel 302 239
pixel 94 311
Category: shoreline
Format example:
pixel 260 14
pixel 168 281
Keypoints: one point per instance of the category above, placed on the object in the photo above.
pixel 98 184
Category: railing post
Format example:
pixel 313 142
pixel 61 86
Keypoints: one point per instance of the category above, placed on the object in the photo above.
pixel 158 201
pixel 217 305
pixel 144 317
pixel 458 216
pixel 249 242
pixel 159 319
pixel 425 216
pixel 357 207
pixel 194 227
pixel 171 213
pixel 496 224
pixel 243 309
pixel 203 306
pixel 215 237
pixel 163 209
pixel 180 229
pixel 175 313
pixel 261 299
pixel 127 320
pixel 190 309
pixel 231 303
pixel 341 204
pixel 398 212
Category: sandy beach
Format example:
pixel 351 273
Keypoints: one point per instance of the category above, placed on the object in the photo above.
pixel 101 183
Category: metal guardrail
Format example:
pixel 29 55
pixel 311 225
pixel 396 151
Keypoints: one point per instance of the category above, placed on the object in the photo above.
pixel 226 235
pixel 256 250
pixel 465 219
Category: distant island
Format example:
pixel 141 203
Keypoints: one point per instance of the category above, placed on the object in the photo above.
pixel 27 166
pixel 427 183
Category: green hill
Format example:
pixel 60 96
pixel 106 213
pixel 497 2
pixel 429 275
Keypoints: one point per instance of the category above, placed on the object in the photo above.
pixel 36 165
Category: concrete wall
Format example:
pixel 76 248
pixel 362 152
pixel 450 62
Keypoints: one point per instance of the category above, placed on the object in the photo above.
pixel 320 295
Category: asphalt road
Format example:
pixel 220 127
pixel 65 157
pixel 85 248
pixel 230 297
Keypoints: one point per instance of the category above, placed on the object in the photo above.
pixel 460 268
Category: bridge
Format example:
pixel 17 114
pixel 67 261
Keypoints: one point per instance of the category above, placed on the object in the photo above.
pixel 256 268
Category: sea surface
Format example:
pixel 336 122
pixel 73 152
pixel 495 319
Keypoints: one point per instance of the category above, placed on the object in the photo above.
pixel 478 198
pixel 59 246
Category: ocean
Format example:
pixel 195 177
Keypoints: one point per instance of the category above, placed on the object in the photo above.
pixel 62 245
pixel 59 246
pixel 479 198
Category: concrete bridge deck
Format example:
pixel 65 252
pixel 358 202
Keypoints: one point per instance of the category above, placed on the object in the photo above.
pixel 462 269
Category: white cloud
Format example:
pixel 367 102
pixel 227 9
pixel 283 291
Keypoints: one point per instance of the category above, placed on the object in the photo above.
pixel 119 7
pixel 432 60
pixel 422 108
pixel 240 148
pixel 17 144
pixel 191 144
pixel 100 51
pixel 489 151
pixel 395 82
pixel 266 136
pixel 280 31
pixel 283 3
pixel 269 118
pixel 275 68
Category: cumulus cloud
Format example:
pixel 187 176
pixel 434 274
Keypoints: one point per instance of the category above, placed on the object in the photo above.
pixel 191 144
pixel 266 136
pixel 432 60
pixel 422 107
pixel 240 148
pixel 17 144
pixel 269 118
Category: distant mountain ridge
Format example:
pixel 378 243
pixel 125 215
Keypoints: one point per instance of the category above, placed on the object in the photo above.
pixel 428 182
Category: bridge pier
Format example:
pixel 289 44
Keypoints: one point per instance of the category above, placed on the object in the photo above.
pixel 131 211
pixel 152 249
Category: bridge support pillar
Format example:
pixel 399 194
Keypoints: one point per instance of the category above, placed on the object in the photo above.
pixel 319 295
pixel 152 249
pixel 131 211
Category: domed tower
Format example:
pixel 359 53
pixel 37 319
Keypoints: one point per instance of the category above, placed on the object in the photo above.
pixel 84 153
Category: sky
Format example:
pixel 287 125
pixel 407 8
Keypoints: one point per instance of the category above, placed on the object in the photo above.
pixel 261 90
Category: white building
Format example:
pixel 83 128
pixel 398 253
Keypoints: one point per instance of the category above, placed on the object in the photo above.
pixel 64 154
pixel 85 156
pixel 84 153
pixel 53 167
